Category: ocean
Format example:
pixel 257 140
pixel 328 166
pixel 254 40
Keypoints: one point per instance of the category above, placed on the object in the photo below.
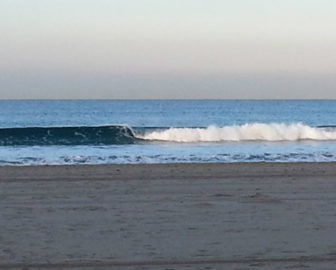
pixel 58 132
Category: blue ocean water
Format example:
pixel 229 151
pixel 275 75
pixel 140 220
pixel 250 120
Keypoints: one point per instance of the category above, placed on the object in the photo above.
pixel 165 131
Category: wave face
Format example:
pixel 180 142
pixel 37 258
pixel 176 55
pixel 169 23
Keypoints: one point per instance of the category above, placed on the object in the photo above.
pixel 247 132
pixel 121 135
pixel 100 135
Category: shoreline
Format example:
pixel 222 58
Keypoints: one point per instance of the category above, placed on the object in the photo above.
pixel 165 171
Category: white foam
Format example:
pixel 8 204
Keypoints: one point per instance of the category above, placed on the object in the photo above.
pixel 247 132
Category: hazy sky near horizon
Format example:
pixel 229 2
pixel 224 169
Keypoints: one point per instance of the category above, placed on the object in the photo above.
pixel 167 49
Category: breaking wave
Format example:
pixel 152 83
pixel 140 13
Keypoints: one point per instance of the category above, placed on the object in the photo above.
pixel 247 132
pixel 120 135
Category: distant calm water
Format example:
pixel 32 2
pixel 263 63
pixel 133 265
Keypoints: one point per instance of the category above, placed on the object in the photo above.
pixel 103 132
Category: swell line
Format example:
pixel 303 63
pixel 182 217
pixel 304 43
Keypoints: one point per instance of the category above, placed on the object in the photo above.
pixel 78 135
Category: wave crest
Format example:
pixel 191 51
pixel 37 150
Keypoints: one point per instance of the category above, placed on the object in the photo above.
pixel 247 132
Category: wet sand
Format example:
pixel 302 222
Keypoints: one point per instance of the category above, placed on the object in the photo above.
pixel 173 216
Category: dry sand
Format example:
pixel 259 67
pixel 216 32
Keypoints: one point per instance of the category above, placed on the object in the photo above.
pixel 175 216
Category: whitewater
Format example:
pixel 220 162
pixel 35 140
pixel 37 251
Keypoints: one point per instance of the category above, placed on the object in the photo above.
pixel 246 132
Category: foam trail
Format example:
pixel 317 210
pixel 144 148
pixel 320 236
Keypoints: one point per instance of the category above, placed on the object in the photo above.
pixel 247 132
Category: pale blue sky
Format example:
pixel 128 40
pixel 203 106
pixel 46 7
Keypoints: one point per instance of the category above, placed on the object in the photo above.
pixel 167 49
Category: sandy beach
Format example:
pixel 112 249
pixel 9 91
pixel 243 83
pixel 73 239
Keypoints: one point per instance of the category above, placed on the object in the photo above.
pixel 169 216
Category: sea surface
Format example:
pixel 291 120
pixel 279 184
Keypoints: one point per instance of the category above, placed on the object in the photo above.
pixel 166 131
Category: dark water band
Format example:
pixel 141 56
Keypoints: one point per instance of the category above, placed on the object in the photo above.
pixel 80 135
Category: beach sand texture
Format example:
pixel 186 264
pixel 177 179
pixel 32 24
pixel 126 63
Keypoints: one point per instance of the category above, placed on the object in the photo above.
pixel 169 216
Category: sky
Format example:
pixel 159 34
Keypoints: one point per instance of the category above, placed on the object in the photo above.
pixel 175 49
